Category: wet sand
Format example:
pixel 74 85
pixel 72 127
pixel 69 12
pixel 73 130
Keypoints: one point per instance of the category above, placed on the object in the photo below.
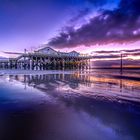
pixel 78 105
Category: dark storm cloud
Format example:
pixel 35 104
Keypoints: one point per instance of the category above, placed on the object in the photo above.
pixel 132 51
pixel 111 56
pixel 106 56
pixel 124 51
pixel 121 25
pixel 115 54
pixel 105 52
pixel 135 54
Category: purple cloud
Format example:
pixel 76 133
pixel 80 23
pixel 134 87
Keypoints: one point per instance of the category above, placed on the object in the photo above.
pixel 121 25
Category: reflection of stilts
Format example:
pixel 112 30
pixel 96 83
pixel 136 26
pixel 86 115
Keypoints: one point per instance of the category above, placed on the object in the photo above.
pixel 121 85
pixel 45 81
pixel 121 64
pixel 25 82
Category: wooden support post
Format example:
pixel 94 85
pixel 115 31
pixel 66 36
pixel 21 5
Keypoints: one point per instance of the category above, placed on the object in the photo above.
pixel 121 64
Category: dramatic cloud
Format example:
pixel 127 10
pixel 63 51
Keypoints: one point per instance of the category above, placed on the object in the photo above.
pixel 121 25
pixel 136 54
pixel 124 51
pixel 105 52
pixel 106 56
pixel 115 54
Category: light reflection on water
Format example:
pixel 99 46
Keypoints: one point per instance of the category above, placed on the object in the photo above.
pixel 78 106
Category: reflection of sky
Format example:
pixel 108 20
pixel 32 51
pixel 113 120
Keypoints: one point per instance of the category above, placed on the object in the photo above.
pixel 9 95
pixel 72 112
pixel 87 84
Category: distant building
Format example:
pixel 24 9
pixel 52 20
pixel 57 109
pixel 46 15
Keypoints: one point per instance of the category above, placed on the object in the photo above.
pixel 50 51
pixel 47 50
pixel 74 53
pixel 46 58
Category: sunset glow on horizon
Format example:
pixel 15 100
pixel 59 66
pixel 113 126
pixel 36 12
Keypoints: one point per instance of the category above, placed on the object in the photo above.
pixel 85 26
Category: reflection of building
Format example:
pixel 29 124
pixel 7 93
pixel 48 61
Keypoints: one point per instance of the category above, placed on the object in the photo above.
pixel 49 80
pixel 46 58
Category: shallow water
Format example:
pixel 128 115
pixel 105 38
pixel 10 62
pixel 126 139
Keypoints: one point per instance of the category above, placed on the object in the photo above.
pixel 81 105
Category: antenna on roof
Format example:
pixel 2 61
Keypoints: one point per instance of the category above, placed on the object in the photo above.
pixel 25 51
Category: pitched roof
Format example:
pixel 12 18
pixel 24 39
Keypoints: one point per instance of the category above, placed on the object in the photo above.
pixel 74 52
pixel 47 48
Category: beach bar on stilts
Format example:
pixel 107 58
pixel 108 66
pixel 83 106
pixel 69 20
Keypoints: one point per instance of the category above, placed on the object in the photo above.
pixel 47 58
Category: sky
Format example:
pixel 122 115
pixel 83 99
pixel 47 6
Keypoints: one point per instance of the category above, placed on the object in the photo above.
pixel 86 26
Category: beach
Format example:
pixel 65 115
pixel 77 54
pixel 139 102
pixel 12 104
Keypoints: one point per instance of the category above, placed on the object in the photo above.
pixel 60 105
